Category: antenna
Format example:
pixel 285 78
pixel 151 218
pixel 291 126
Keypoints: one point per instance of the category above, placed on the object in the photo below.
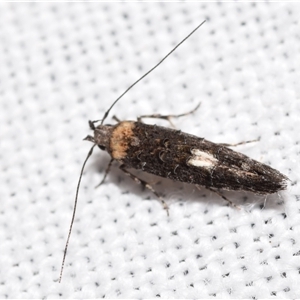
pixel 129 88
pixel 91 150
pixel 74 212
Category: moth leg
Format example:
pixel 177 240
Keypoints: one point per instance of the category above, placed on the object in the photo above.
pixel 116 118
pixel 106 172
pixel 146 185
pixel 238 144
pixel 168 117
pixel 219 194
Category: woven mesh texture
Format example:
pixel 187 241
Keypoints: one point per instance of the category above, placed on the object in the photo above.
pixel 63 64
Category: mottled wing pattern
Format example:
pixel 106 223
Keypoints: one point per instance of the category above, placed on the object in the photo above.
pixel 183 157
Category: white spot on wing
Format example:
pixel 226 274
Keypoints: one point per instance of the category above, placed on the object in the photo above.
pixel 202 159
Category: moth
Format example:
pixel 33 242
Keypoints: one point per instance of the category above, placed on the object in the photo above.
pixel 176 155
pixel 180 156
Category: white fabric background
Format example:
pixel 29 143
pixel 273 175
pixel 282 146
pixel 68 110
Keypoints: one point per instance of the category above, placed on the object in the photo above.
pixel 62 64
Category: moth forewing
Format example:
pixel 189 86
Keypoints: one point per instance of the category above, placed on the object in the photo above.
pixel 187 158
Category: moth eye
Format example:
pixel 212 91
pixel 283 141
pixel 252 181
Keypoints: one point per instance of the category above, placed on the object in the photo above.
pixel 102 147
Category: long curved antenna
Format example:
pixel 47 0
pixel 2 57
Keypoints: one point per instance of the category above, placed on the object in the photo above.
pixel 91 150
pixel 107 112
pixel 74 211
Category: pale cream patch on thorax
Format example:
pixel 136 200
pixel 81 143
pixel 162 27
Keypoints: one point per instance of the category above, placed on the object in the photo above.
pixel 202 159
pixel 121 138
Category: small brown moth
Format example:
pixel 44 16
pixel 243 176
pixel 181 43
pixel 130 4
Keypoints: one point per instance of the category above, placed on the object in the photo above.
pixel 176 155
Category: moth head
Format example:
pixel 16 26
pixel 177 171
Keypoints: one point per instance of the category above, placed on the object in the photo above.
pixel 102 135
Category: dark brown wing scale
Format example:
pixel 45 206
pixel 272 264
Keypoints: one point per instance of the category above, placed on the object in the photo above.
pixel 165 152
